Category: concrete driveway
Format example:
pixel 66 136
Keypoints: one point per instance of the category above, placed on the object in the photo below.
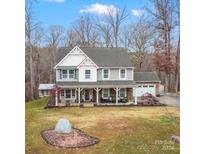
pixel 170 99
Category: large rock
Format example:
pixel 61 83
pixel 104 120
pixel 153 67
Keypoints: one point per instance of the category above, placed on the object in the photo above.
pixel 63 126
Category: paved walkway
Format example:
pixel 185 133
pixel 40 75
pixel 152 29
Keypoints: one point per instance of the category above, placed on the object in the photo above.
pixel 170 99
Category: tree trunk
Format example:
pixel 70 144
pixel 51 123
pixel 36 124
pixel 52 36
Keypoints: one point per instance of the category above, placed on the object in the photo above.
pixel 31 68
pixel 170 82
pixel 51 74
pixel 116 43
pixel 177 82
pixel 177 67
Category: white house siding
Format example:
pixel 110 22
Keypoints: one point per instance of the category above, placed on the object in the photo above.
pixel 93 76
pixel 114 74
pixel 87 64
pixel 130 74
pixel 73 60
pixel 58 75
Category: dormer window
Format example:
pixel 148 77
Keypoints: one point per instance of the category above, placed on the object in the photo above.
pixel 106 73
pixel 122 73
pixel 87 74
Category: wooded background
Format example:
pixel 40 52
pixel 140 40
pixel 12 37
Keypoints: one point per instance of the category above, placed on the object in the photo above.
pixel 152 42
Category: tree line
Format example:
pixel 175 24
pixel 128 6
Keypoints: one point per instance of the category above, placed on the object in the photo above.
pixel 152 39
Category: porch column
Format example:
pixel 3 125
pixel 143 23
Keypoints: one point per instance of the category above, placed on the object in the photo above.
pixel 97 90
pixel 76 98
pixel 117 89
pixel 79 96
pixel 135 97
pixel 56 98
pixel 97 94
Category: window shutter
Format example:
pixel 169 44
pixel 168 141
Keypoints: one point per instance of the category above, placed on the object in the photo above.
pixel 75 73
pixel 60 74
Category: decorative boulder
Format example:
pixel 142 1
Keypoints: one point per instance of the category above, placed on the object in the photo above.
pixel 63 126
pixel 64 136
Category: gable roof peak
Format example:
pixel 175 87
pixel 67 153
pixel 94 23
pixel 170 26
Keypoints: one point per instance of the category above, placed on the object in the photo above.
pixel 101 56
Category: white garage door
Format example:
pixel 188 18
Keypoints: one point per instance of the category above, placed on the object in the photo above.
pixel 145 88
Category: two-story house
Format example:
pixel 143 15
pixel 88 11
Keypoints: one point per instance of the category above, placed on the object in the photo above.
pixel 95 75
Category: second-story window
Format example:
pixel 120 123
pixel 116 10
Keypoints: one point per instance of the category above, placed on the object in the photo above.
pixel 87 74
pixel 122 73
pixel 71 74
pixel 64 74
pixel 105 73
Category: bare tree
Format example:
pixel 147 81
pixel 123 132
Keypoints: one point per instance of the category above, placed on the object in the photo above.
pixel 105 32
pixel 177 70
pixel 72 38
pixel 141 39
pixel 115 19
pixel 37 45
pixel 54 36
pixel 30 26
pixel 87 35
pixel 126 36
pixel 164 24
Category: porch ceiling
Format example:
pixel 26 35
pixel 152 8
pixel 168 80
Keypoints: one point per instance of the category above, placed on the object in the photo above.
pixel 100 84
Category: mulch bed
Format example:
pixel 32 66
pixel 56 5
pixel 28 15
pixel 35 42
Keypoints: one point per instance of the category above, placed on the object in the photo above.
pixel 74 139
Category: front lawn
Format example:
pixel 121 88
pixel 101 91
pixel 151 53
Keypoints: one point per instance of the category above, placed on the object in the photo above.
pixel 120 129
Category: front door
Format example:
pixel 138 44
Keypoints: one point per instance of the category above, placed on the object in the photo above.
pixel 87 95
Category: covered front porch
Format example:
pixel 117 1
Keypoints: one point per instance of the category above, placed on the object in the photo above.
pixel 96 94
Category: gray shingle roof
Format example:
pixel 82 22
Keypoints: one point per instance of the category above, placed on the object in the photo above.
pixel 98 84
pixel 103 57
pixel 146 77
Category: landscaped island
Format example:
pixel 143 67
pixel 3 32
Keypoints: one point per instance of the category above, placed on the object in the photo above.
pixel 120 130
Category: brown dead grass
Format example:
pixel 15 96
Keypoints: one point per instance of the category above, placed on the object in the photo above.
pixel 120 129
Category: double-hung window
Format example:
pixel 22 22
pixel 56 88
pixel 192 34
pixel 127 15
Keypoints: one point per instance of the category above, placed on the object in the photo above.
pixel 64 74
pixel 106 73
pixel 70 93
pixel 105 93
pixel 71 74
pixel 122 93
pixel 87 74
pixel 122 73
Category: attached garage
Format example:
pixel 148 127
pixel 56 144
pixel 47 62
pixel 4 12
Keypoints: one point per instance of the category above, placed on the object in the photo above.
pixel 146 82
pixel 145 88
